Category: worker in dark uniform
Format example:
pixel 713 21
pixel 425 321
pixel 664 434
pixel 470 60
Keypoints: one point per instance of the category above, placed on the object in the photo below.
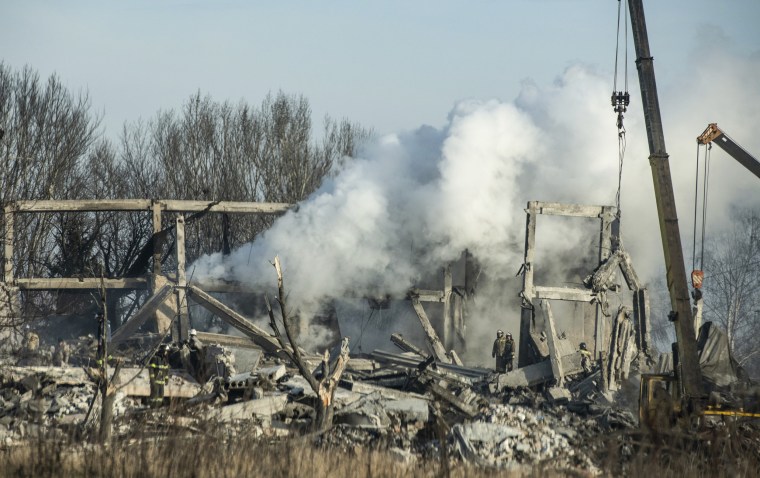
pixel 510 351
pixel 586 358
pixel 158 371
pixel 504 352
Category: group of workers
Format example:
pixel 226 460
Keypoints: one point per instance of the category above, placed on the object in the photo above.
pixel 31 353
pixel 504 352
pixel 188 355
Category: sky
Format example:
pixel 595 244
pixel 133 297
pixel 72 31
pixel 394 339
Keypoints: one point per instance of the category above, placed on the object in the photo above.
pixel 478 107
pixel 390 65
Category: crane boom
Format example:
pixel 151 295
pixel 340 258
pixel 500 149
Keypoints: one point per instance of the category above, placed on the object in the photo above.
pixel 713 134
pixel 689 374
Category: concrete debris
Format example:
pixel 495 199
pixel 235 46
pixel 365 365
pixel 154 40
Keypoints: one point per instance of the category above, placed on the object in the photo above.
pixel 508 435
pixel 376 411
pixel 404 402
pixel 258 408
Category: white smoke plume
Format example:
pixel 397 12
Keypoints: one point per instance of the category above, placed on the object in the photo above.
pixel 414 201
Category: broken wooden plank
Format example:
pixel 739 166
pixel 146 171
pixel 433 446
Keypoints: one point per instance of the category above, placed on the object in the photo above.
pixel 145 312
pixel 432 337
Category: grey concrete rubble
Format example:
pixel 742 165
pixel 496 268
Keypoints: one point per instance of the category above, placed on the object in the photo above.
pixel 402 401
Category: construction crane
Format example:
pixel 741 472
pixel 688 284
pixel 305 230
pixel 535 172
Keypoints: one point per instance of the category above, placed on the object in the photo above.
pixel 686 361
pixel 683 392
pixel 713 134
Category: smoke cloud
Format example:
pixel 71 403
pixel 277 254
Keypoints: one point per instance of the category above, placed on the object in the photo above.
pixel 413 201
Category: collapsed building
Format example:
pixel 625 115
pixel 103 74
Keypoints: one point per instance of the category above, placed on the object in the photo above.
pixel 531 414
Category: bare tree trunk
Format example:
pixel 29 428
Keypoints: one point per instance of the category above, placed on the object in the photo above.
pixel 326 386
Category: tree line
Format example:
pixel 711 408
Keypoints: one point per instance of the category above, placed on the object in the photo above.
pixel 53 147
pixel 731 289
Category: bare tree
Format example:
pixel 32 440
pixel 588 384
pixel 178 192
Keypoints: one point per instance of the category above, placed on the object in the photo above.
pixel 48 133
pixel 732 284
pixel 224 152
pixel 331 370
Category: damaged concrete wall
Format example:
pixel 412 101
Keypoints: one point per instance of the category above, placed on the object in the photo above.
pixel 586 314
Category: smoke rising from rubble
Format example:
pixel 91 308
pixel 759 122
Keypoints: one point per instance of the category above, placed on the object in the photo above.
pixel 415 200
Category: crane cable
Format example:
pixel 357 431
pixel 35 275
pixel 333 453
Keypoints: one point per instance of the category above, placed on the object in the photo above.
pixel 620 101
pixel 698 267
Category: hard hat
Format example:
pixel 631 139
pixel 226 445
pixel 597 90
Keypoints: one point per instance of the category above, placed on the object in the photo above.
pixel 193 332
pixel 509 334
pixel 499 333
pixel 583 345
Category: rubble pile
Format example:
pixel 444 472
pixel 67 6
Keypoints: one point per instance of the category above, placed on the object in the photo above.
pixel 408 406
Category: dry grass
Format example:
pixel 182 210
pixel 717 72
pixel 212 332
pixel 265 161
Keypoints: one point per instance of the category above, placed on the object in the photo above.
pixel 196 457
pixel 214 452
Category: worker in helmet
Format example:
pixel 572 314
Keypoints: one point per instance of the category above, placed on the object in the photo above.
pixel 196 356
pixel 158 372
pixel 586 358
pixel 504 351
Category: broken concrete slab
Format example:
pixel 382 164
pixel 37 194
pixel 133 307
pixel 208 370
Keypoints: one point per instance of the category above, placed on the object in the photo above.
pixel 375 411
pixel 263 407
pixel 558 395
pixel 412 363
pixel 537 373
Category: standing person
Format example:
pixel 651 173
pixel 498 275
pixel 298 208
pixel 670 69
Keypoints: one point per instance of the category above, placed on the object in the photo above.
pixel 32 341
pixel 510 352
pixel 61 354
pixel 196 356
pixel 158 371
pixel 500 351
pixel 585 358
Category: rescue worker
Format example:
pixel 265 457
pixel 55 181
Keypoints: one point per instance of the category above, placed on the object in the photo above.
pixel 100 357
pixel 504 351
pixel 61 354
pixel 158 371
pixel 585 358
pixel 32 341
pixel 196 356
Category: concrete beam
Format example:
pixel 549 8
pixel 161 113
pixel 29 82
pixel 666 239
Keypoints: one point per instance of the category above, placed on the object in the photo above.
pixel 259 336
pixel 83 283
pixel 432 337
pixel 145 312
